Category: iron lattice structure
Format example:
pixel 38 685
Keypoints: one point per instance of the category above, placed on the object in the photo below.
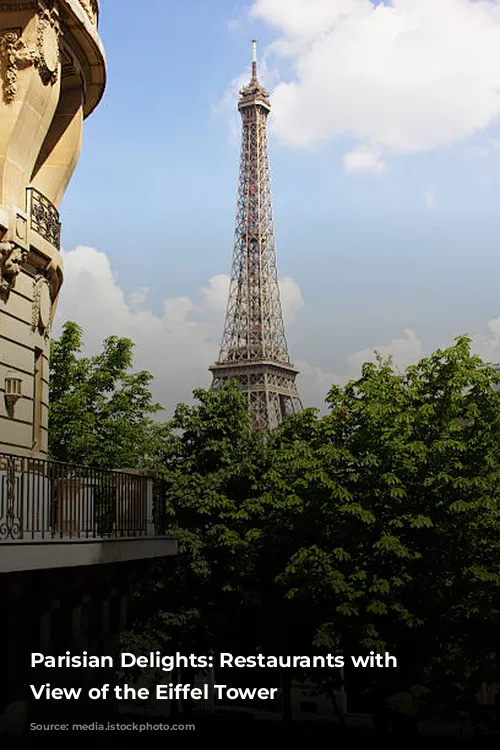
pixel 254 348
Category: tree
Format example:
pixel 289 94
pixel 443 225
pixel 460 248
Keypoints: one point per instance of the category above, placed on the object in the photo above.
pixel 235 538
pixel 100 413
pixel 398 547
pixel 372 528
pixel 213 461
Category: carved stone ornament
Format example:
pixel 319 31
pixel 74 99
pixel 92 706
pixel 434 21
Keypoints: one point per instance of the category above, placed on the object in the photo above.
pixel 48 43
pixel 42 306
pixel 11 260
pixel 16 55
pixel 91 8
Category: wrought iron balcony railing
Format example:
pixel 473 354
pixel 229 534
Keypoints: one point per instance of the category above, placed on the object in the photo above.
pixel 44 217
pixel 48 500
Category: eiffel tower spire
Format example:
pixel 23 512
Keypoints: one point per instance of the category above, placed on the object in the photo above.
pixel 254 348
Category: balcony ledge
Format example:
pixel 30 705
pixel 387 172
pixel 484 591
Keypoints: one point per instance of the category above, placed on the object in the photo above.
pixel 18 556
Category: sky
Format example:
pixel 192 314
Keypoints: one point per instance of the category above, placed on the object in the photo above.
pixel 384 141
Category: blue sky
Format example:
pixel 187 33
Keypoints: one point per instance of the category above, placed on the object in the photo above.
pixel 385 157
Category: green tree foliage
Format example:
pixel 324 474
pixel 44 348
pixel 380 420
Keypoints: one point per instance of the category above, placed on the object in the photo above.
pixel 398 544
pixel 375 527
pixel 212 466
pixel 100 413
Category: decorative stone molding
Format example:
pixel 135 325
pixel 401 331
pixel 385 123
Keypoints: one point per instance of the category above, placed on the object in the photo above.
pixel 16 55
pixel 12 258
pixel 47 42
pixel 91 8
pixel 41 316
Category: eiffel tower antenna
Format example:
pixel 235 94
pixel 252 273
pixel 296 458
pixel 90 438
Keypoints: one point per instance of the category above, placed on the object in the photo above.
pixel 254 348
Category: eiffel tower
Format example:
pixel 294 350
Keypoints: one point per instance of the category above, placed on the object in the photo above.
pixel 254 348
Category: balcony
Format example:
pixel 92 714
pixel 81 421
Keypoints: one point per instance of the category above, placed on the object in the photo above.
pixel 44 217
pixel 54 514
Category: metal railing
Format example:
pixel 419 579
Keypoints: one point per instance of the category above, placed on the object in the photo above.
pixel 44 217
pixel 48 500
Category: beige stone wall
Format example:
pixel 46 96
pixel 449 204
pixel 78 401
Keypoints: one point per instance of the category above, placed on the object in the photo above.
pixel 19 343
pixel 52 75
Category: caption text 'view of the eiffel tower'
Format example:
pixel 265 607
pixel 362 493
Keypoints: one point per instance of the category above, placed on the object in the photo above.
pixel 254 349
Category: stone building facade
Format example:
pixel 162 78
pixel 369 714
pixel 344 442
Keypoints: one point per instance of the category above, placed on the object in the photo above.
pixel 53 73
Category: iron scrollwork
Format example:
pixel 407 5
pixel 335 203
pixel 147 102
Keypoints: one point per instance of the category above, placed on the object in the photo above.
pixel 11 526
pixel 45 218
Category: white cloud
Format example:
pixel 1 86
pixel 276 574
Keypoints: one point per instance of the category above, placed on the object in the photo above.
pixel 405 352
pixel 291 298
pixel 430 198
pixel 488 347
pixel 177 345
pixel 176 348
pixel 404 77
pixel 314 384
pixel 139 297
pixel 216 293
pixel 364 160
pixel 226 107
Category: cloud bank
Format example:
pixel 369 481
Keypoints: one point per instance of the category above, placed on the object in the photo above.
pixel 180 341
pixel 399 77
